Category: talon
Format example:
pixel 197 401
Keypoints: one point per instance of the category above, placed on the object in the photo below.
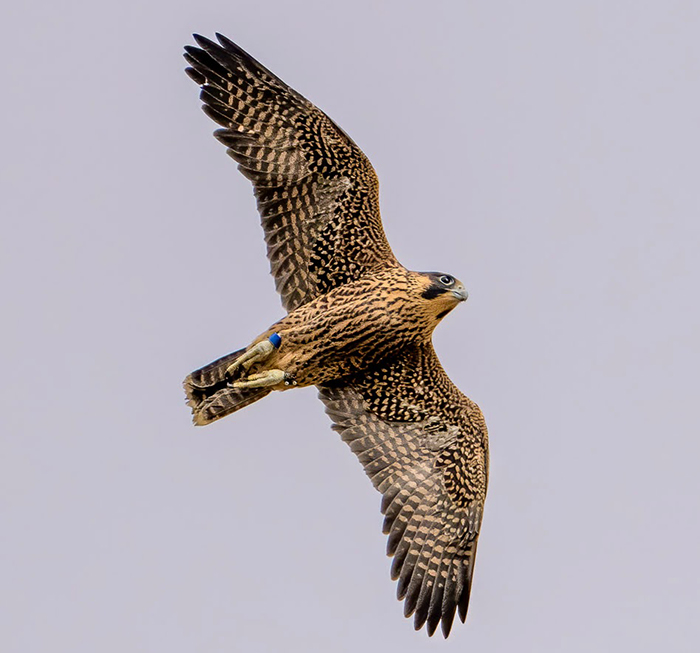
pixel 262 379
pixel 255 354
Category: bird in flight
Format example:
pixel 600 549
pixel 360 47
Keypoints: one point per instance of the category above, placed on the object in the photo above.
pixel 358 326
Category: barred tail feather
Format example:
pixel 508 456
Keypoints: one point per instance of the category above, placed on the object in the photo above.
pixel 211 397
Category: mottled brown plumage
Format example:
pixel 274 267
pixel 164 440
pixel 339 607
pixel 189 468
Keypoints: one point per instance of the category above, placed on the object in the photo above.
pixel 359 327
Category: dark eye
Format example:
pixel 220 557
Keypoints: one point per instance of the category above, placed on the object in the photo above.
pixel 446 280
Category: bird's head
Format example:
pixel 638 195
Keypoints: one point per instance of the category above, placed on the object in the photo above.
pixel 441 292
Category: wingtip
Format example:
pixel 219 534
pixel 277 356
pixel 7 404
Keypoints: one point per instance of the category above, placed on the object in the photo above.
pixel 446 622
pixel 195 76
pixel 419 618
pixel 203 42
pixel 462 610
pixel 431 621
pixel 229 45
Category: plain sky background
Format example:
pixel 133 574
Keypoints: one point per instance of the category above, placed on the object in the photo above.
pixel 545 152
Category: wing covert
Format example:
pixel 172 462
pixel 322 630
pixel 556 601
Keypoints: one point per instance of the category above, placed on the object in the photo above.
pixel 317 193
pixel 424 446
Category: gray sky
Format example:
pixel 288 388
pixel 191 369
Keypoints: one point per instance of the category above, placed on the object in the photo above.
pixel 545 152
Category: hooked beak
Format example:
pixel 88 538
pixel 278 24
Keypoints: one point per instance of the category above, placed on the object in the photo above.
pixel 460 293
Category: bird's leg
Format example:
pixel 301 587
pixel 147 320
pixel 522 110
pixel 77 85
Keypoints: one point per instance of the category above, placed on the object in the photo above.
pixel 266 378
pixel 258 352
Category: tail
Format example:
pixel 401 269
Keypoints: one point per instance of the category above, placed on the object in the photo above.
pixel 210 395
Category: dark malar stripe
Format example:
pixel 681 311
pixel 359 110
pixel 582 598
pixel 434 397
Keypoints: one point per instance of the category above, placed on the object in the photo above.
pixel 433 292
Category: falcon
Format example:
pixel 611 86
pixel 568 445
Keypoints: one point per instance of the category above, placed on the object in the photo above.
pixel 358 326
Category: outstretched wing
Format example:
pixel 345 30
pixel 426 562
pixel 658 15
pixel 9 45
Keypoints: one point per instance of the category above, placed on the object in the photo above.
pixel 424 445
pixel 317 193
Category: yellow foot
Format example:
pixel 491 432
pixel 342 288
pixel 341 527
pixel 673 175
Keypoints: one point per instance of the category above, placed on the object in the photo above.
pixel 266 378
pixel 258 352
